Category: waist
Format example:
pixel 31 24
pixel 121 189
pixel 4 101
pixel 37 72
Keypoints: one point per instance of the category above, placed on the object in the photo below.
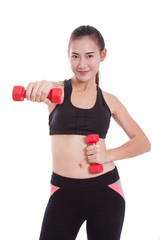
pixel 80 132
pixel 92 183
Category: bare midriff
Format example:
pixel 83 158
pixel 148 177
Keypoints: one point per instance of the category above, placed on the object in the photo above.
pixel 69 157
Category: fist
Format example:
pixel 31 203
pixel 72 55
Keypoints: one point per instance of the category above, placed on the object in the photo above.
pixel 38 91
pixel 96 154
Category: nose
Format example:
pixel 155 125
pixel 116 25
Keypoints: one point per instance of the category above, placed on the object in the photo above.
pixel 82 63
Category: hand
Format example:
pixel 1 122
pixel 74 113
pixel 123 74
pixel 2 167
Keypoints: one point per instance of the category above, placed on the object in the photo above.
pixel 38 91
pixel 97 154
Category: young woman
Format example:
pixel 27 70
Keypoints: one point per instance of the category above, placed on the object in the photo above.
pixel 76 193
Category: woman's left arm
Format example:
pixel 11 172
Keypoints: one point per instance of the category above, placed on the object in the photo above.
pixel 138 143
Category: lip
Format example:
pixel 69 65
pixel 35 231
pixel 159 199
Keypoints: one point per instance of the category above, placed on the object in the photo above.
pixel 83 72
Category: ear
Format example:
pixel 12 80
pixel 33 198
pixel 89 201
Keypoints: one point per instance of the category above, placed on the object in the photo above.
pixel 103 54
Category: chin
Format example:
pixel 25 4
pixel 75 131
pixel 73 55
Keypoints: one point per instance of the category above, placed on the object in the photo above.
pixel 84 78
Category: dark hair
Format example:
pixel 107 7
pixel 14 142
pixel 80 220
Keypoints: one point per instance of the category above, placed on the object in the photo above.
pixel 86 30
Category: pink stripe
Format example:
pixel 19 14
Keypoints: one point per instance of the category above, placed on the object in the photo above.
pixel 116 188
pixel 53 189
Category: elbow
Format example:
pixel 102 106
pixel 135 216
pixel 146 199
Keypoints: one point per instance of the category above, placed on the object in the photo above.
pixel 147 144
pixel 144 143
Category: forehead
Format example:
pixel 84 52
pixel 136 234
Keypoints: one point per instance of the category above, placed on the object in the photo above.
pixel 84 44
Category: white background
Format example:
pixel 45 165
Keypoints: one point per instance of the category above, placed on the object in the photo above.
pixel 33 46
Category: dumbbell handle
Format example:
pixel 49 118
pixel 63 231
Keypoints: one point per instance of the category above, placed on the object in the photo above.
pixel 95 167
pixel 56 95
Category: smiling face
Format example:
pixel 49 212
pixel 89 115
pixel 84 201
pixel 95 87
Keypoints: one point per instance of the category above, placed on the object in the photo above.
pixel 85 57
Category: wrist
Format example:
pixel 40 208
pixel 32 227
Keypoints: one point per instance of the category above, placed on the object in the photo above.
pixel 109 155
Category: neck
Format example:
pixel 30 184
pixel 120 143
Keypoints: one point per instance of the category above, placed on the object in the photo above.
pixel 83 86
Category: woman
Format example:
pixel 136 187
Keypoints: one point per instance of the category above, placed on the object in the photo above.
pixel 76 193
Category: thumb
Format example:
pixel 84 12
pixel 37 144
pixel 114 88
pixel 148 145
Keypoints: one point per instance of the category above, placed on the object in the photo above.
pixel 47 101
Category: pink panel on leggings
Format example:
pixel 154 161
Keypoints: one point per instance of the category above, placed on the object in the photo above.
pixel 116 188
pixel 53 189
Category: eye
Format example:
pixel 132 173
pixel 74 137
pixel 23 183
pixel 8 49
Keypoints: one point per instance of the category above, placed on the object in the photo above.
pixel 74 56
pixel 90 56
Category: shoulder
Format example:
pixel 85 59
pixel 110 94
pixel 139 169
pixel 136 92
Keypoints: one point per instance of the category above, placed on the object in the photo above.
pixel 119 112
pixel 111 100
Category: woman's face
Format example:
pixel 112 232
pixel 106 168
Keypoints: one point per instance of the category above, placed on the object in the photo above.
pixel 85 57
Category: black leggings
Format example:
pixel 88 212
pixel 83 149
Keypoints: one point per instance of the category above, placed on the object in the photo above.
pixel 98 200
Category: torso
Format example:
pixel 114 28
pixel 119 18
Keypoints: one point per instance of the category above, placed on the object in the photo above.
pixel 69 157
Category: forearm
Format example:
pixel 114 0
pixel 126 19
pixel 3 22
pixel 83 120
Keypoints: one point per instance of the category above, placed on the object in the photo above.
pixel 134 147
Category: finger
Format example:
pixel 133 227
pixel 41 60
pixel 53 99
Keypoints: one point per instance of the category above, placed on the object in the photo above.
pixel 47 101
pixel 43 91
pixel 90 148
pixel 92 160
pixel 35 95
pixel 91 152
pixel 29 91
pixel 91 157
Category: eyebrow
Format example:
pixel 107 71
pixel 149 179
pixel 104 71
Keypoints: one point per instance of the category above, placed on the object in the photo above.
pixel 85 53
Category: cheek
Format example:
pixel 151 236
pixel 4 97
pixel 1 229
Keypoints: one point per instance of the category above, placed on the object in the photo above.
pixel 95 65
pixel 73 64
pixel 95 62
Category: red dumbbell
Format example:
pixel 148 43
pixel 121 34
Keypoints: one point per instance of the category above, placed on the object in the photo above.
pixel 95 167
pixel 56 95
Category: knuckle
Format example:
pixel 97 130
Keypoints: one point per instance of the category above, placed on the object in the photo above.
pixel 44 81
pixel 38 94
pixel 37 83
pixel 44 94
pixel 96 160
pixel 27 94
pixel 32 99
pixel 30 84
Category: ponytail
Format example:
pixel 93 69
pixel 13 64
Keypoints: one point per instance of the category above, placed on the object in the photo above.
pixel 97 78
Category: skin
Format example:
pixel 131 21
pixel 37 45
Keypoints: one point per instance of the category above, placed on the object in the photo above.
pixel 71 154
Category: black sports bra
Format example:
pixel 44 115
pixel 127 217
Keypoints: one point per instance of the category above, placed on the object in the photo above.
pixel 68 119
